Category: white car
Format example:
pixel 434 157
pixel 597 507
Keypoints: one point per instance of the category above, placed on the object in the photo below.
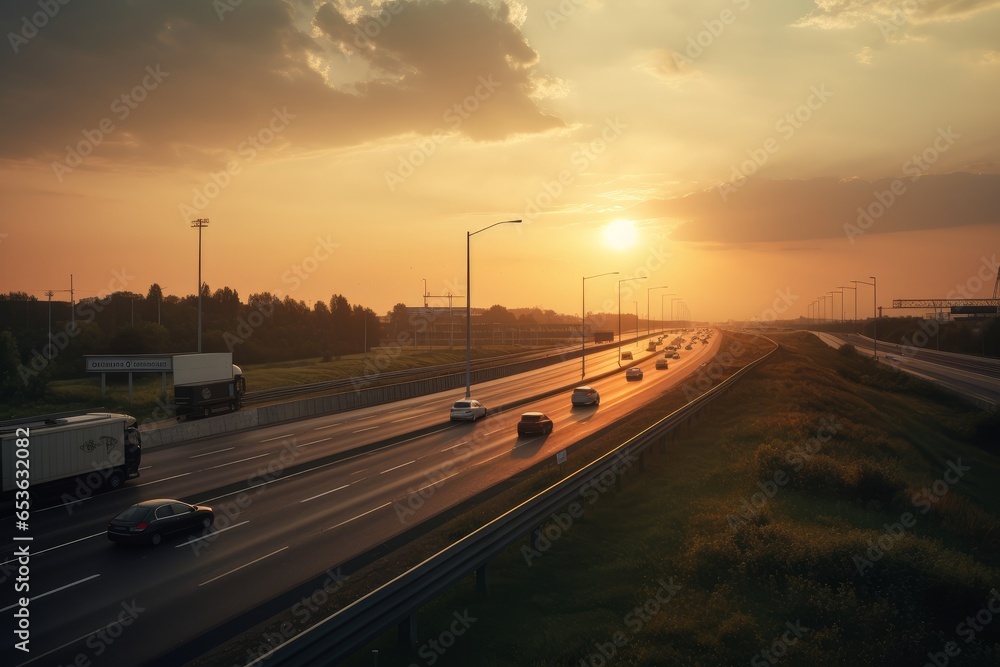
pixel 467 410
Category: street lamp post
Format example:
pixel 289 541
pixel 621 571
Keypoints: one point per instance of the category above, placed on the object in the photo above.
pixel 679 298
pixel 648 317
pixel 636 304
pixel 855 288
pixel 623 280
pixel 833 304
pixel 663 323
pixel 875 323
pixel 583 323
pixel 468 303
pixel 200 223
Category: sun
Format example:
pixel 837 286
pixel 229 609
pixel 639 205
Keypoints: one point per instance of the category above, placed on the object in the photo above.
pixel 620 234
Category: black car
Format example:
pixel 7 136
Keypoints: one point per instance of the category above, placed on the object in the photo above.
pixel 534 423
pixel 152 520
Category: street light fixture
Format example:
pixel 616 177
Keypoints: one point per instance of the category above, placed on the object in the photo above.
pixel 832 303
pixel 875 323
pixel 583 323
pixel 648 317
pixel 623 280
pixel 200 223
pixel 468 303
pixel 855 288
pixel 663 322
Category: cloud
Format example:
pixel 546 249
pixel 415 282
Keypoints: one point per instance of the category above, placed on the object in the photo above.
pixel 796 210
pixel 666 64
pixel 226 71
pixel 843 14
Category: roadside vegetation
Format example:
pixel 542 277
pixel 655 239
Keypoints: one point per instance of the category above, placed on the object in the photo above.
pixel 85 393
pixel 829 511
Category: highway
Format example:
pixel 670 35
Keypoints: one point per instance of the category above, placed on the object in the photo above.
pixel 292 501
pixel 976 377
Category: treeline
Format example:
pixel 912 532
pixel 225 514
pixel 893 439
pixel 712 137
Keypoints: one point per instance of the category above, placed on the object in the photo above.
pixel 265 328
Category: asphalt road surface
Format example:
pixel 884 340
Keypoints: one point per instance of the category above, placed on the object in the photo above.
pixel 291 502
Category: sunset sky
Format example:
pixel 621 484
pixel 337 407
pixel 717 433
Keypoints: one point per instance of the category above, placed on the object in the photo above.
pixel 739 151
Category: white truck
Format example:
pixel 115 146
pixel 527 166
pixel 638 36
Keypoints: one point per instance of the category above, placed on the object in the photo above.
pixel 97 450
pixel 207 384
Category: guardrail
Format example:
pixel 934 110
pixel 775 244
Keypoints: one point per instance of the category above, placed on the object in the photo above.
pixel 339 636
pixel 480 370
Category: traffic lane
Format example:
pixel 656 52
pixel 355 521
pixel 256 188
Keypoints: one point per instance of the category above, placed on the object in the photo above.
pixel 343 514
pixel 176 479
pixel 960 379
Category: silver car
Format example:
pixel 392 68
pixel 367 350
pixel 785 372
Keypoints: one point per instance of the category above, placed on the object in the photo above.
pixel 467 410
pixel 585 396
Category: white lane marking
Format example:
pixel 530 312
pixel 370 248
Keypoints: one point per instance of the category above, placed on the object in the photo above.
pixel 323 428
pixel 249 458
pixel 370 428
pixel 320 495
pixel 55 590
pixel 278 437
pixel 398 467
pixel 464 442
pixel 404 419
pixel 218 451
pixel 438 481
pixel 357 517
pixel 72 502
pixel 242 566
pixel 59 546
pixel 214 532
pixel 157 481
pixel 315 442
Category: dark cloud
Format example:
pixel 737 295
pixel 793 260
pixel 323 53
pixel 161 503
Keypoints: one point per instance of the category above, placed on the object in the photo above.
pixel 224 72
pixel 795 210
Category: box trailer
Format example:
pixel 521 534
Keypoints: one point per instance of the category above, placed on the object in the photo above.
pixel 99 450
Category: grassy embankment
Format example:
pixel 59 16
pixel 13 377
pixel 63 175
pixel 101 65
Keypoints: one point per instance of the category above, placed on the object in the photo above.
pixel 830 512
pixel 85 393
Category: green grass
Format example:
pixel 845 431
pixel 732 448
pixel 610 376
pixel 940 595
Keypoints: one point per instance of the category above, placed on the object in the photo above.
pixel 794 559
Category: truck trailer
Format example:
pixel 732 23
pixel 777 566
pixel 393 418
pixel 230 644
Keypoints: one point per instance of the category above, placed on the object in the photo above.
pixel 98 450
pixel 207 384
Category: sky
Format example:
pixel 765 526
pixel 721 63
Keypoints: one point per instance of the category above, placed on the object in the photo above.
pixel 742 156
